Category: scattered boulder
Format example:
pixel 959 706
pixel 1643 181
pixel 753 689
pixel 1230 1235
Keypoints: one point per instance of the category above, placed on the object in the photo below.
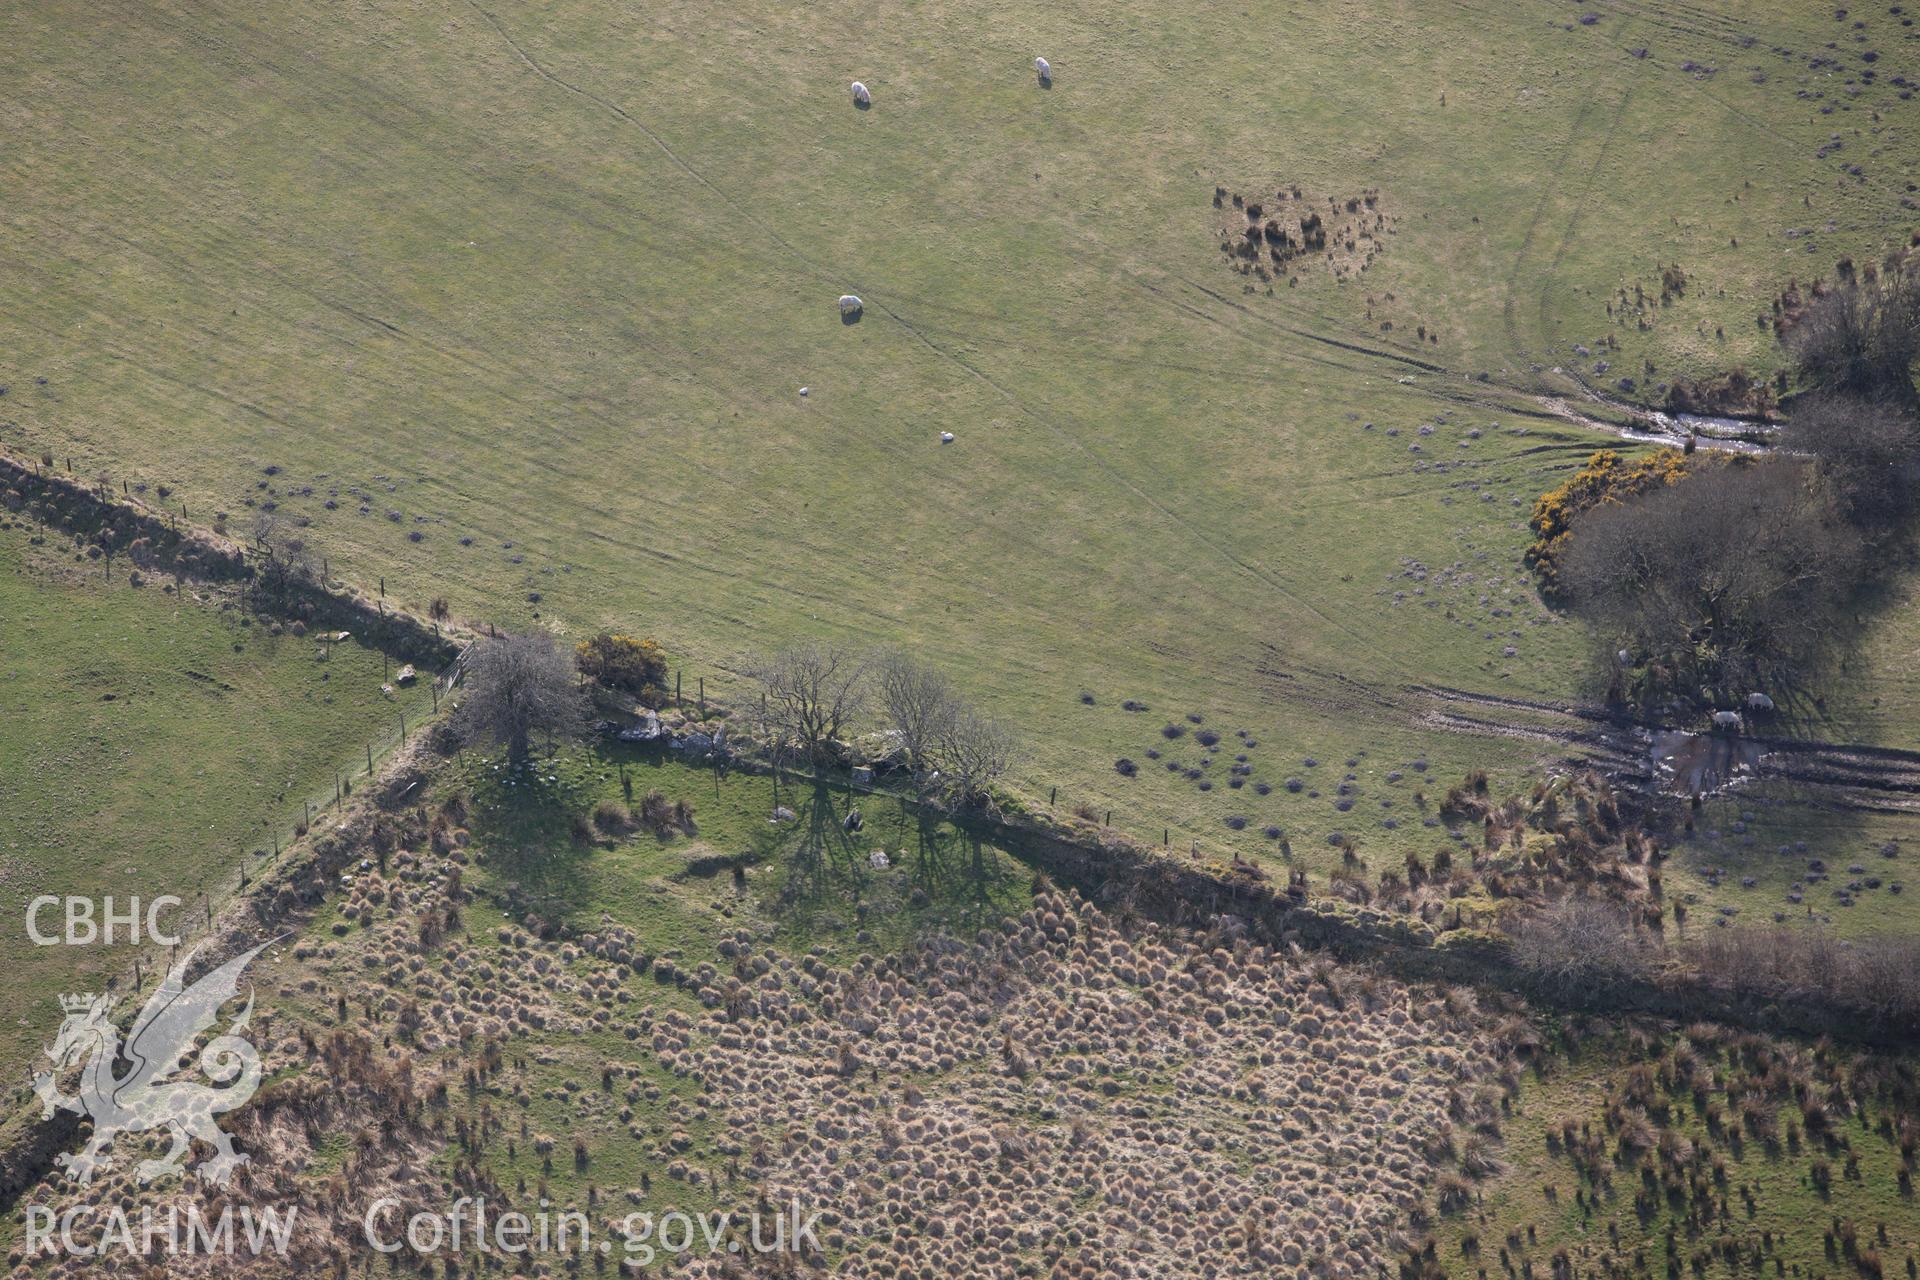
pixel 647 730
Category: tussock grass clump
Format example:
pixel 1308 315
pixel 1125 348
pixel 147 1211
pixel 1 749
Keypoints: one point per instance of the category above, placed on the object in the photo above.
pixel 612 817
pixel 939 1085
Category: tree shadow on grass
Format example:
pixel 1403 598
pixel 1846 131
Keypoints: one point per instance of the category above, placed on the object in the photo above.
pixel 937 877
pixel 527 833
pixel 950 865
pixel 820 862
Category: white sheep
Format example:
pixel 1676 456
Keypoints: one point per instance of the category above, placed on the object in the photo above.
pixel 1043 69
pixel 850 304
pixel 1759 702
pixel 946 437
pixel 1727 720
pixel 861 94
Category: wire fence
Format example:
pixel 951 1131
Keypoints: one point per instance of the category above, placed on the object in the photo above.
pixel 331 797
pixel 195 922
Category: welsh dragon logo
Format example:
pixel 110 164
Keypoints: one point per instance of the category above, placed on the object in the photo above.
pixel 145 1098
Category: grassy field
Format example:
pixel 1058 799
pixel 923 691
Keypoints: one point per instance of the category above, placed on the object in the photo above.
pixel 519 302
pixel 808 875
pixel 152 745
pixel 1753 857
pixel 1797 1188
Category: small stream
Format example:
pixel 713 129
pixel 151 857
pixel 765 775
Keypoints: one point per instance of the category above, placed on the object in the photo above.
pixel 1733 435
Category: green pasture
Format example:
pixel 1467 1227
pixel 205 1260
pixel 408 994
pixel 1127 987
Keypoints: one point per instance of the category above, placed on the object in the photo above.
pixel 514 303
pixel 151 745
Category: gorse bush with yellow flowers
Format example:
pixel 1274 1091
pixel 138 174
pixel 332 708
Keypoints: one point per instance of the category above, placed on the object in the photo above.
pixel 1607 477
pixel 626 663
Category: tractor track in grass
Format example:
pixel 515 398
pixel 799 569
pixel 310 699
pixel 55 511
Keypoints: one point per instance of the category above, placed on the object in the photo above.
pixel 942 343
pixel 1577 136
pixel 1581 199
pixel 1835 775
pixel 1012 398
pixel 1844 775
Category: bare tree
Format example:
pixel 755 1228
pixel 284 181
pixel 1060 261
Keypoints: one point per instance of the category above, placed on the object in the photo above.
pixel 919 705
pixel 1577 943
pixel 1861 338
pixel 975 752
pixel 286 559
pixel 1731 577
pixel 1868 449
pixel 814 694
pixel 519 685
pixel 1878 978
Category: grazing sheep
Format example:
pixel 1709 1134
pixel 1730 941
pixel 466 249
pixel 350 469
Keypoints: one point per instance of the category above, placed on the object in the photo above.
pixel 861 96
pixel 1043 69
pixel 1759 702
pixel 1727 720
pixel 946 437
pixel 850 304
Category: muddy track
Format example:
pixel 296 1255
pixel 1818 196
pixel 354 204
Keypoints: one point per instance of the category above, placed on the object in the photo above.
pixel 1844 775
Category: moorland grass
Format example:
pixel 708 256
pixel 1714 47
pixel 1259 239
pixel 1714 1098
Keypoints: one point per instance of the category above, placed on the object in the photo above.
pixel 1763 1197
pixel 808 888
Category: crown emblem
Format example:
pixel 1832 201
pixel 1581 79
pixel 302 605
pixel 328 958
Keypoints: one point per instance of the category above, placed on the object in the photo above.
pixel 78 1003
